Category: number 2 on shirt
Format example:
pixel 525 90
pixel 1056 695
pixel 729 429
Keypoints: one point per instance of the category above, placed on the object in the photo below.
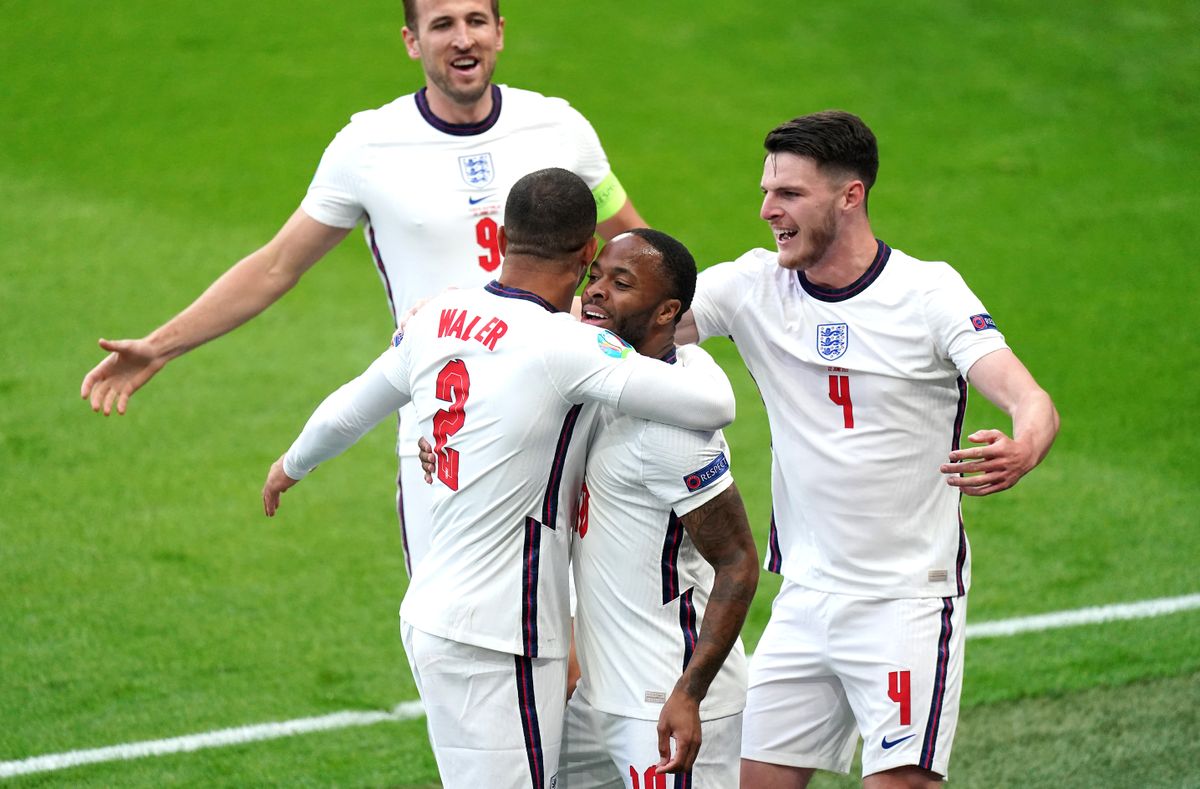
pixel 453 386
pixel 839 393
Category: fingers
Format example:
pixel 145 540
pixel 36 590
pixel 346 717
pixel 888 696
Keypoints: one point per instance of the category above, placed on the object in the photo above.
pixel 664 747
pixel 270 501
pixel 428 459
pixel 109 395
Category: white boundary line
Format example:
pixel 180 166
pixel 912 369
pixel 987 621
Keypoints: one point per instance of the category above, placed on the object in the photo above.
pixel 410 710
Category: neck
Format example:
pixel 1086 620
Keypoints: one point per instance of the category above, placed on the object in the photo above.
pixel 554 281
pixel 451 111
pixel 847 259
pixel 657 344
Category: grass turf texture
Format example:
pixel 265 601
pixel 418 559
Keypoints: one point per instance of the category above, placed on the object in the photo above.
pixel 1046 151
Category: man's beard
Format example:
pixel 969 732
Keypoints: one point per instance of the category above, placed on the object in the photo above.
pixel 818 240
pixel 458 95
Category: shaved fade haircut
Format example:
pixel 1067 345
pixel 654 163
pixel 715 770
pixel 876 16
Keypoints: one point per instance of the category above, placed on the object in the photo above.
pixel 839 142
pixel 677 265
pixel 549 213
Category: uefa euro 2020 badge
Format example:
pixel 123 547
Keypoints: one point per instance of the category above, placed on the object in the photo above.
pixel 832 340
pixel 612 345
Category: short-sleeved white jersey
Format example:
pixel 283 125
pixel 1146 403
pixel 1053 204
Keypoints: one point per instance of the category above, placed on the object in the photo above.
pixel 865 390
pixel 641 585
pixel 496 378
pixel 431 195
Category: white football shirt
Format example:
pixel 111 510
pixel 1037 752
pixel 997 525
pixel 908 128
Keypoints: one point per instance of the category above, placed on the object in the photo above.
pixel 497 379
pixel 430 196
pixel 641 585
pixel 865 390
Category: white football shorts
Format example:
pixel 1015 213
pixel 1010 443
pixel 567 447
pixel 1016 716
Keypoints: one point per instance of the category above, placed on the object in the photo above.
pixel 833 667
pixel 495 719
pixel 605 751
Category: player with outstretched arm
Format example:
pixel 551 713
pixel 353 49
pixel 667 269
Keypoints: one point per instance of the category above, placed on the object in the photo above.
pixel 498 376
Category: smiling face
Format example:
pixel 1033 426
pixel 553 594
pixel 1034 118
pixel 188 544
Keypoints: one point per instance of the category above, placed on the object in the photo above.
pixel 802 205
pixel 456 42
pixel 627 291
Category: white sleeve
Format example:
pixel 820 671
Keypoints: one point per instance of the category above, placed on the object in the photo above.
pixel 719 295
pixel 960 324
pixel 332 197
pixel 591 163
pixel 595 365
pixel 691 398
pixel 684 468
pixel 348 414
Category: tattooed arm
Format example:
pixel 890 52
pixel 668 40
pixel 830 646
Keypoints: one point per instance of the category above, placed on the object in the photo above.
pixel 721 533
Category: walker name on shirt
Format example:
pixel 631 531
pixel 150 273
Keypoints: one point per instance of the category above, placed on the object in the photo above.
pixel 461 324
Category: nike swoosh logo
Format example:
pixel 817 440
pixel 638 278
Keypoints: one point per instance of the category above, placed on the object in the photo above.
pixel 478 200
pixel 894 743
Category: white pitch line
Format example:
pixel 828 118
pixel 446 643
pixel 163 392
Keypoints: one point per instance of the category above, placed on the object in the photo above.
pixel 409 710
pixel 214 739
pixel 1084 616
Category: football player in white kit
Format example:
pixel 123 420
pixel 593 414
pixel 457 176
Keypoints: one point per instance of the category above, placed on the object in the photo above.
pixel 498 376
pixel 664 562
pixel 426 176
pixel 862 355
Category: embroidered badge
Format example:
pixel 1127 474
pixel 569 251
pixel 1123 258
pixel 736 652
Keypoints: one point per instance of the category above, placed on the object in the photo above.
pixel 832 340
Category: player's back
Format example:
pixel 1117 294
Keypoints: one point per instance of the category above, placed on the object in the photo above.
pixel 495 376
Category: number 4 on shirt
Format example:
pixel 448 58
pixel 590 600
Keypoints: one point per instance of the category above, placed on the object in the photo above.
pixel 839 393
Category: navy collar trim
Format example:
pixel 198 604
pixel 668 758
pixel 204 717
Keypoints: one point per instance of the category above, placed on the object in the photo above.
pixel 670 356
pixel 508 292
pixel 459 129
pixel 883 252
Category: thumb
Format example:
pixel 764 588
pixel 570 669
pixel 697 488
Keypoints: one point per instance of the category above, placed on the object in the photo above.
pixel 115 345
pixel 985 436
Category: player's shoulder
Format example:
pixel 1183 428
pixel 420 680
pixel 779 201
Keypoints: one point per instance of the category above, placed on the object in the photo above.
pixel 921 275
pixel 531 105
pixel 396 113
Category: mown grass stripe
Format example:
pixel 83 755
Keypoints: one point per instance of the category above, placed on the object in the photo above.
pixel 409 710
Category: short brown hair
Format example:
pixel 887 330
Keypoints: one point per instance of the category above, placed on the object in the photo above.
pixel 410 13
pixel 837 141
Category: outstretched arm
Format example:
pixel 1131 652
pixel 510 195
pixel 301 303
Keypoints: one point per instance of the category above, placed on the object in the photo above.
pixel 698 397
pixel 342 419
pixel 249 287
pixel 721 533
pixel 1002 461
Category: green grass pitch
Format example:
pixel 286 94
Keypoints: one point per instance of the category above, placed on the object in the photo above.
pixel 1048 150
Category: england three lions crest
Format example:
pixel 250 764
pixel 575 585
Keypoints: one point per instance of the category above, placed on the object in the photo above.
pixel 832 340
pixel 477 170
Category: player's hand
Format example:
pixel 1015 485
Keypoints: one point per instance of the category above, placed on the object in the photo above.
pixel 428 459
pixel 678 721
pixel 129 365
pixel 277 482
pixel 997 465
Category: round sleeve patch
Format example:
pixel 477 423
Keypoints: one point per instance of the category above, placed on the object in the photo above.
pixel 612 345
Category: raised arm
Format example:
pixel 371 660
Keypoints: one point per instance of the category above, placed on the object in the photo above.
pixel 249 287
pixel 1002 461
pixel 721 533
pixel 342 419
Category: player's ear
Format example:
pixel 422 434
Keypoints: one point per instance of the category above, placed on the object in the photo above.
pixel 411 43
pixel 855 195
pixel 502 241
pixel 500 34
pixel 590 249
pixel 667 312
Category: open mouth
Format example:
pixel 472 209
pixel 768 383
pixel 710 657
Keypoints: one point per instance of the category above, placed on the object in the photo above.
pixel 784 236
pixel 464 64
pixel 593 316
